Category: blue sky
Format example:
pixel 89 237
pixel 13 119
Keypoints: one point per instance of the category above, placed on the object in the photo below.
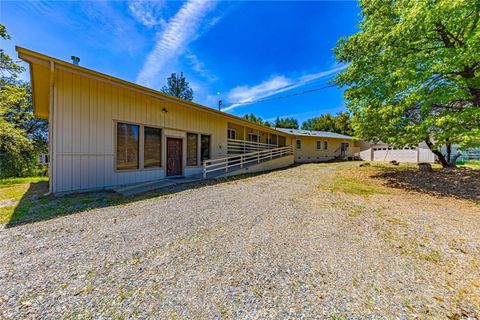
pixel 244 50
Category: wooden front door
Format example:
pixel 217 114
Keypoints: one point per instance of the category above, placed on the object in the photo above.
pixel 174 157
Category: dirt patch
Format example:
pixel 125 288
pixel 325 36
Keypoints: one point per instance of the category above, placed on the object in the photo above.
pixel 462 183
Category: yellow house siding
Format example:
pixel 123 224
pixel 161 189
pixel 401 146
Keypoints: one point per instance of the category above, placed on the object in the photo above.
pixel 87 110
pixel 309 152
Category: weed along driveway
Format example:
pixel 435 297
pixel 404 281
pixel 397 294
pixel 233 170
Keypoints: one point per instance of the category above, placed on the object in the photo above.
pixel 315 241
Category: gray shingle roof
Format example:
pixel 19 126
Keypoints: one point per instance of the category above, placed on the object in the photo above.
pixel 308 133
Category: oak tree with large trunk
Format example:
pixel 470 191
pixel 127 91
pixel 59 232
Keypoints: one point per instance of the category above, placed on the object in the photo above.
pixel 413 74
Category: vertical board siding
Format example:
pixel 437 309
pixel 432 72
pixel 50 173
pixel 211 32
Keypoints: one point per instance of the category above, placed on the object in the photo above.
pixel 86 111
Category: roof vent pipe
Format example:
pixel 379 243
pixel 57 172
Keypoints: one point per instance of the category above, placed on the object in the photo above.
pixel 75 60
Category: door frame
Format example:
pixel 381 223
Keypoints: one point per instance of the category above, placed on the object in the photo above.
pixel 182 139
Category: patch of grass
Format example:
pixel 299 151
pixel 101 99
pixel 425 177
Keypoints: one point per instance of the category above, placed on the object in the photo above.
pixel 353 185
pixel 472 164
pixel 432 256
pixel 355 212
pixel 22 201
pixel 11 181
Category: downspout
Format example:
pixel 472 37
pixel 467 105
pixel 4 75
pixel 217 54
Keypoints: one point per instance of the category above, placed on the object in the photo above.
pixel 51 133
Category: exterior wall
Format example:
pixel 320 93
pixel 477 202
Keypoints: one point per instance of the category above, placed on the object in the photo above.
pixel 382 152
pixel 309 153
pixel 265 166
pixel 366 151
pixel 85 113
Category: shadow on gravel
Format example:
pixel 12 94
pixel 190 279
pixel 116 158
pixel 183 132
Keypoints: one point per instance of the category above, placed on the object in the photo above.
pixel 461 183
pixel 34 207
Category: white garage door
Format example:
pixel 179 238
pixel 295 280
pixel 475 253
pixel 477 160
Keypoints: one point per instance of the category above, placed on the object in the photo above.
pixel 404 155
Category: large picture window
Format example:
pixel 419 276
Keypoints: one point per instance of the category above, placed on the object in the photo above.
pixel 152 147
pixel 192 149
pixel 127 146
pixel 205 147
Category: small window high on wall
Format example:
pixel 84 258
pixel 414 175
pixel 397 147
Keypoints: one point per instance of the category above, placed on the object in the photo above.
pixel 205 147
pixel 127 146
pixel 192 149
pixel 152 147
pixel 318 145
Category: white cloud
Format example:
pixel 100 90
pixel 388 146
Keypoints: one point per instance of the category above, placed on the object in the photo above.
pixel 147 12
pixel 178 33
pixel 244 94
pixel 199 67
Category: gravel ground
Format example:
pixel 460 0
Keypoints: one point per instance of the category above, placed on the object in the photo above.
pixel 286 244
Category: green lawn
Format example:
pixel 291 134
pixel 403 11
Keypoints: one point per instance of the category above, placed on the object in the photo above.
pixel 472 164
pixel 22 201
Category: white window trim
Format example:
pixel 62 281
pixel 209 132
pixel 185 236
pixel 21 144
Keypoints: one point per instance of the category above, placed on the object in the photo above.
pixel 296 144
pixel 234 133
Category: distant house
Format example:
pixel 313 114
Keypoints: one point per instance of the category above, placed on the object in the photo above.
pixel 106 132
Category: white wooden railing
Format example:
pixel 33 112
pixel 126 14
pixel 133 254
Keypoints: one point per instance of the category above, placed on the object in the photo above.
pixel 242 160
pixel 241 146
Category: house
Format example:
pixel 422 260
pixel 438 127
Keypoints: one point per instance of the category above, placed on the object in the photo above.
pixel 106 132
pixel 317 146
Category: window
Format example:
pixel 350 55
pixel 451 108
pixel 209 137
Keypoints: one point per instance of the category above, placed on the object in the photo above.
pixel 127 146
pixel 325 145
pixel 319 145
pixel 192 149
pixel 231 134
pixel 253 137
pixel 298 144
pixel 205 147
pixel 152 147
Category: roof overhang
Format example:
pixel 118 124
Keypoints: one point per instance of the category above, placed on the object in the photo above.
pixel 40 74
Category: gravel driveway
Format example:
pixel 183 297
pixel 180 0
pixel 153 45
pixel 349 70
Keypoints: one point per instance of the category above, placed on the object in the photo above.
pixel 286 244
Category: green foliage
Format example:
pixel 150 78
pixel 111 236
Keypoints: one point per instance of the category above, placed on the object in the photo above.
pixel 287 123
pixel 8 67
pixel 341 123
pixel 414 72
pixel 22 136
pixel 16 107
pixel 179 87
pixel 17 152
pixel 253 118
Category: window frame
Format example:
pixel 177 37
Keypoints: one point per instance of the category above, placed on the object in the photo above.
pixel 297 147
pixel 202 161
pixel 253 134
pixel 317 144
pixel 140 135
pixel 325 145
pixel 198 151
pixel 143 147
pixel 234 131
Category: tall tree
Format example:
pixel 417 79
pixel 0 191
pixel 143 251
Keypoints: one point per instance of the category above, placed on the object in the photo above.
pixel 288 123
pixel 414 73
pixel 253 118
pixel 22 136
pixel 179 87
pixel 341 123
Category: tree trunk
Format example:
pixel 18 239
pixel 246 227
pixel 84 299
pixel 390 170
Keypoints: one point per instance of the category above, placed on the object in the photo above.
pixel 448 146
pixel 436 152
